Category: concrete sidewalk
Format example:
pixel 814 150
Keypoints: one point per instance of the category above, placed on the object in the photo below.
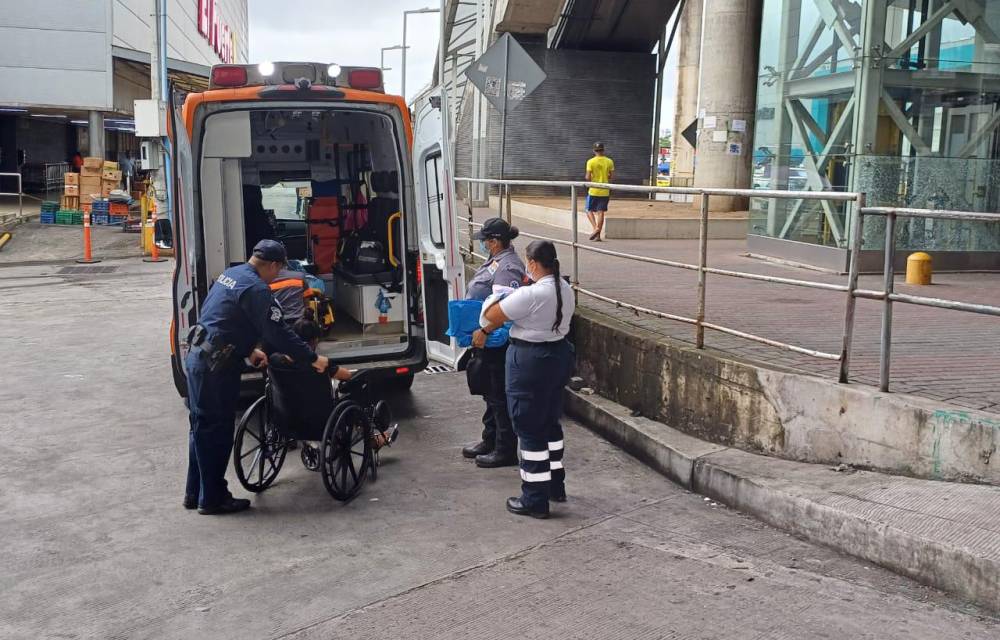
pixel 633 218
pixel 940 533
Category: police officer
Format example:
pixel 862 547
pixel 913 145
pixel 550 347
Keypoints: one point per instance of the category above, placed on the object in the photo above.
pixel 498 447
pixel 238 312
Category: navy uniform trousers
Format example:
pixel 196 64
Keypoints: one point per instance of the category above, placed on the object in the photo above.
pixel 537 373
pixel 497 429
pixel 212 399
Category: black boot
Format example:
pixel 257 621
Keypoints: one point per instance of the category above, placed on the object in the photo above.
pixel 478 449
pixel 229 505
pixel 514 505
pixel 497 459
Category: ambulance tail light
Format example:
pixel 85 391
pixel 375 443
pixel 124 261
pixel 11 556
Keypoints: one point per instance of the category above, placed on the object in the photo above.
pixel 365 78
pixel 229 76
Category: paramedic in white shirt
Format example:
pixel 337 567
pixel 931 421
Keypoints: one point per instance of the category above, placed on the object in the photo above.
pixel 540 361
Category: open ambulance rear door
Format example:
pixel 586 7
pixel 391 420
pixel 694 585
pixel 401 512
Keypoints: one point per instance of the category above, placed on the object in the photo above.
pixel 443 268
pixel 180 167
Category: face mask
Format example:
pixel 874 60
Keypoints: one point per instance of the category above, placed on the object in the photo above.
pixel 483 247
pixel 527 272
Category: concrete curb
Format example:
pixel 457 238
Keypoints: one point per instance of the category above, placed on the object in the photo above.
pixel 11 221
pixel 811 511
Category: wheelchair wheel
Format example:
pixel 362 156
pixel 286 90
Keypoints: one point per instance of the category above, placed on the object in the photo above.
pixel 310 457
pixel 346 452
pixel 259 448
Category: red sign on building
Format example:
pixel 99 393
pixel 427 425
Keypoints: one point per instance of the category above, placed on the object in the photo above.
pixel 217 32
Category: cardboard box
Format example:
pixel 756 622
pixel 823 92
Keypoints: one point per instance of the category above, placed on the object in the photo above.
pixel 91 173
pixel 89 186
pixel 110 166
pixel 112 175
pixel 72 178
pixel 106 188
pixel 71 190
pixel 91 162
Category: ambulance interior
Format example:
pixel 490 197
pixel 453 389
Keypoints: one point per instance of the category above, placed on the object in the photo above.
pixel 326 183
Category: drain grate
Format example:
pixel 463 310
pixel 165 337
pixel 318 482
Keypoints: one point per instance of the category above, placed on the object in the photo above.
pixel 85 270
pixel 437 368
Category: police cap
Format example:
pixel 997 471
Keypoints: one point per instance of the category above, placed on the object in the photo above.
pixel 497 228
pixel 270 250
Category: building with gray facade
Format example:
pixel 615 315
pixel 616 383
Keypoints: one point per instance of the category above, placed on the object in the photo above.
pixel 601 78
pixel 70 71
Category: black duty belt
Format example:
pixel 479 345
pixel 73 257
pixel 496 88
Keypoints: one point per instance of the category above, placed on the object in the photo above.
pixel 529 343
pixel 220 354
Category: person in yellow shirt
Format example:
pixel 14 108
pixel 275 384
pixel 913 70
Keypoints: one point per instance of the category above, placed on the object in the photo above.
pixel 600 168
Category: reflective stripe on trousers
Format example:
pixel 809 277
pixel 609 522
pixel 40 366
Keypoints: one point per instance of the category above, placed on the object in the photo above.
pixel 536 376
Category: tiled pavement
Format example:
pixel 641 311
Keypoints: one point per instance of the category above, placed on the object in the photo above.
pixel 938 354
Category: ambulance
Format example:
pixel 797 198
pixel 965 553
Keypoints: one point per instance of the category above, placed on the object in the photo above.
pixel 320 158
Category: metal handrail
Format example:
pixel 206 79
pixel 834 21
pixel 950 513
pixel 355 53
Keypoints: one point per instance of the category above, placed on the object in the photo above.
pixel 887 295
pixel 19 193
pixel 941 214
pixel 702 268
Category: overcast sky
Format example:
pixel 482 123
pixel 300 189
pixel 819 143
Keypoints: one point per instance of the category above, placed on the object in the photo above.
pixel 352 32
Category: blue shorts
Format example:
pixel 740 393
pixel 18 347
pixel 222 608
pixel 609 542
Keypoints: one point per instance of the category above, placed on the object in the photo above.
pixel 597 203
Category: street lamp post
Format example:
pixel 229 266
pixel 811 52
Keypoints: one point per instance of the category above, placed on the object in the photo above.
pixel 395 47
pixel 405 15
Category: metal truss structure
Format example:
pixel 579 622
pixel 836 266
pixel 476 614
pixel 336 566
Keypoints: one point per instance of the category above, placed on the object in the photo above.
pixel 874 92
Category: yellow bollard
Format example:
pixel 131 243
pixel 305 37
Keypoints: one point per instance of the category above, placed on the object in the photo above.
pixel 918 268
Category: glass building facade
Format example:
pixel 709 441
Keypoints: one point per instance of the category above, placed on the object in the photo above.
pixel 899 99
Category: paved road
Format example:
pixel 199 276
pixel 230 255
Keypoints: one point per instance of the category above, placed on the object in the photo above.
pixel 937 354
pixel 96 545
pixel 35 243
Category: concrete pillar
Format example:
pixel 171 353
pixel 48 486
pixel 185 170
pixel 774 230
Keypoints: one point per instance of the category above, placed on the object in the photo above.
pixel 686 103
pixel 728 93
pixel 95 131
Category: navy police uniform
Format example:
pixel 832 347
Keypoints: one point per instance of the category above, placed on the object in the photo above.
pixel 504 269
pixel 238 312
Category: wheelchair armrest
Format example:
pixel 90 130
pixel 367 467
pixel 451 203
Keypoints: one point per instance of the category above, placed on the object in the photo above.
pixel 358 382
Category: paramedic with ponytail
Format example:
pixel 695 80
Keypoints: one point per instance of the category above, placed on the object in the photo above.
pixel 540 361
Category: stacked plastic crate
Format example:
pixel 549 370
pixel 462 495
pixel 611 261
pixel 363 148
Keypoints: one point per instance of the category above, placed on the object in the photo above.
pixel 100 212
pixel 117 213
pixel 48 212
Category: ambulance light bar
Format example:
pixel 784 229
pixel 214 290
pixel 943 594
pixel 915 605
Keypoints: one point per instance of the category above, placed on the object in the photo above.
pixel 299 74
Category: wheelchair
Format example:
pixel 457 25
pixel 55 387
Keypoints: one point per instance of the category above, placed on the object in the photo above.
pixel 298 405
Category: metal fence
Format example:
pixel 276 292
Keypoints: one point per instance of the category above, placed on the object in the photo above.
pixel 850 288
pixel 55 174
pixel 19 193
